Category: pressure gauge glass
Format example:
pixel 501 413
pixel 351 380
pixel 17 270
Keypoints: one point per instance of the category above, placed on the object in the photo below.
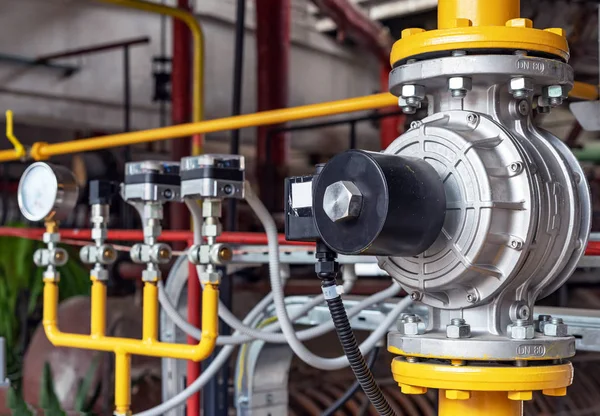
pixel 47 191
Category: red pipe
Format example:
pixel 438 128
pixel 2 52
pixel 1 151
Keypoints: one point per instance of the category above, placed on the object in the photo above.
pixel 273 50
pixel 355 24
pixel 194 305
pixel 373 37
pixel 181 104
pixel 135 235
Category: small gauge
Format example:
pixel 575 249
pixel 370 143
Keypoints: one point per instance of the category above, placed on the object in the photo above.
pixel 47 191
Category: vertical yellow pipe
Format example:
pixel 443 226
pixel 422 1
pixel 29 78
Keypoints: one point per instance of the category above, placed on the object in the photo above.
pixel 50 304
pixel 481 403
pixel 150 312
pixel 98 317
pixel 122 383
pixel 479 12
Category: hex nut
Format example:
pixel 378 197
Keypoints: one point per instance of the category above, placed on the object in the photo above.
pixel 521 331
pixel 99 233
pixel 413 91
pixel 100 274
pixel 153 211
pixel 152 275
pixel 409 325
pixel 555 91
pixel 51 275
pixel 210 277
pixel 211 230
pixel 51 238
pixel 460 83
pixel 556 329
pixel 342 201
pixel 211 208
pixel 521 84
pixel 458 331
pixel 152 230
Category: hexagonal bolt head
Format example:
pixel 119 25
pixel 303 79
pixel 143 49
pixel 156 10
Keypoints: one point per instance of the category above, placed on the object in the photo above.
pixel 409 325
pixel 99 274
pixel 211 229
pixel 413 91
pixel 342 201
pixel 460 84
pixel 556 328
pixel 555 94
pixel 458 330
pixel 521 331
pixel 541 322
pixel 521 87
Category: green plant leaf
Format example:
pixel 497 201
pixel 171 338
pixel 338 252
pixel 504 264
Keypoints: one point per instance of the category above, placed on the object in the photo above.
pixel 48 398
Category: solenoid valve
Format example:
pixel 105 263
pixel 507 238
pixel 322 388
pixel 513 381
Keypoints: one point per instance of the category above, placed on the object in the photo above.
pixel 212 176
pixel 151 181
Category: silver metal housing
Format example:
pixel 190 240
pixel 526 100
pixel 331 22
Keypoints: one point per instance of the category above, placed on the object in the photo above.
pixel 518 214
pixel 65 195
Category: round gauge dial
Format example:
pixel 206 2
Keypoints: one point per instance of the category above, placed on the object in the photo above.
pixel 45 189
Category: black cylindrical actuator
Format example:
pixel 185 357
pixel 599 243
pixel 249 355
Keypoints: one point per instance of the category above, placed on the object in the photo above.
pixel 378 204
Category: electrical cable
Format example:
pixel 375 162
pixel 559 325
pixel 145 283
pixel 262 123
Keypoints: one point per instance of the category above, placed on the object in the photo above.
pixel 250 333
pixel 306 334
pixel 352 389
pixel 223 356
pixel 284 320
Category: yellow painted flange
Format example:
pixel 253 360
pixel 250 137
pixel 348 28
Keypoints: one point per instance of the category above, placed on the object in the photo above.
pixel 517 381
pixel 480 24
pixel 518 34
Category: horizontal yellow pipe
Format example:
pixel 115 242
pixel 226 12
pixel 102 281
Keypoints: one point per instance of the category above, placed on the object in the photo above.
pixel 198 352
pixel 41 151
pixel 583 91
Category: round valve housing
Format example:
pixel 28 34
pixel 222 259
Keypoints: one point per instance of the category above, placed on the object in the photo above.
pixel 47 191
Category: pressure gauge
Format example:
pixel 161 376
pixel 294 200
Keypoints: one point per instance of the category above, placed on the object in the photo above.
pixel 47 192
pixel 151 180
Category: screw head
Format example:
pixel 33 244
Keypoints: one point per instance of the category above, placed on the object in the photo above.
pixel 342 201
pixel 416 296
pixel 523 107
pixel 472 298
pixel 472 118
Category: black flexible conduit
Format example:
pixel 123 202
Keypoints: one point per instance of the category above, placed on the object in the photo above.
pixel 337 405
pixel 327 269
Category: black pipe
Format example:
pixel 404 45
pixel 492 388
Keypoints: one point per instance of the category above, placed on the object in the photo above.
pixel 337 405
pixel 238 85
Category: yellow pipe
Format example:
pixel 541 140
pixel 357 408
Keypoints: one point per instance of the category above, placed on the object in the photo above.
pixel 198 352
pixel 41 151
pixel 479 12
pixel 583 91
pixel 122 383
pixel 480 403
pixel 150 312
pixel 197 37
pixel 98 314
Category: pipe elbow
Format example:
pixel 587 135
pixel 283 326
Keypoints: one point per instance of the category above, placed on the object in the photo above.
pixel 53 333
pixel 206 346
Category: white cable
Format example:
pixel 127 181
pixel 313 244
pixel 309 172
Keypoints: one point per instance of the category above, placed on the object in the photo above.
pixel 277 288
pixel 267 332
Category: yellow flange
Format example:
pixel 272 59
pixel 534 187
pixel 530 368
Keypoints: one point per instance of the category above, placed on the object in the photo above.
pixel 466 378
pixel 480 24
